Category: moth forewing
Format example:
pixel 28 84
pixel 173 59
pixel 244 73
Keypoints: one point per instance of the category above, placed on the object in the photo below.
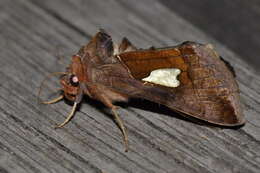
pixel 206 90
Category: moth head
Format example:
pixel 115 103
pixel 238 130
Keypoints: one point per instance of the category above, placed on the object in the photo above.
pixel 73 80
pixel 70 86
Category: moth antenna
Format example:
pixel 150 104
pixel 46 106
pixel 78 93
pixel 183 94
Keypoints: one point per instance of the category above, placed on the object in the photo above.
pixel 122 127
pixel 68 117
pixel 54 100
pixel 44 80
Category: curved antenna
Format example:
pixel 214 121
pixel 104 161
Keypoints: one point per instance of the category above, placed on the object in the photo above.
pixel 44 80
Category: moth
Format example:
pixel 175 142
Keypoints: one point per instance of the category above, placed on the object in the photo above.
pixel 190 78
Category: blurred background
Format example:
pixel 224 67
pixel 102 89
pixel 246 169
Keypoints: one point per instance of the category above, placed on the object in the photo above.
pixel 234 24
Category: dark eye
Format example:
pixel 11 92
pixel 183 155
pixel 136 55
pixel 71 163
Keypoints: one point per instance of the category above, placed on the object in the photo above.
pixel 74 81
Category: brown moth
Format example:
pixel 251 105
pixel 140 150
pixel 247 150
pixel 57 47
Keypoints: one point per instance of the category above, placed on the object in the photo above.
pixel 190 78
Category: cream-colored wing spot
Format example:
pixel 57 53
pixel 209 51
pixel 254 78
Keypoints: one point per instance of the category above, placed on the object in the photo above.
pixel 165 77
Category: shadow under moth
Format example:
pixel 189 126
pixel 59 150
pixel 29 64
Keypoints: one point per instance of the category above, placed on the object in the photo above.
pixel 190 78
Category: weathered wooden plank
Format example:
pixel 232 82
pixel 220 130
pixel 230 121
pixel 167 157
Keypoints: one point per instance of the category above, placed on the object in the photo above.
pixel 160 141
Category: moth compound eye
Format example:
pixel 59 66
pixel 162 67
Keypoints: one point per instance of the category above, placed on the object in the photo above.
pixel 74 81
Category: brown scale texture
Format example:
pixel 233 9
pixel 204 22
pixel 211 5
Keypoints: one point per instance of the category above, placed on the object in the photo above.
pixel 208 90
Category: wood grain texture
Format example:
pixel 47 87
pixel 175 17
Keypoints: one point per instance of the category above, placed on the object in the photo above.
pixel 32 32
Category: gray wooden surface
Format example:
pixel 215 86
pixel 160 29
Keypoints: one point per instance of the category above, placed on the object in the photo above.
pixel 33 32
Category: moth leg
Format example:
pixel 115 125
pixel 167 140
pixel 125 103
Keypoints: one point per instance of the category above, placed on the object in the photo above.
pixel 76 102
pixel 54 100
pixel 118 120
pixel 122 127
pixel 68 117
